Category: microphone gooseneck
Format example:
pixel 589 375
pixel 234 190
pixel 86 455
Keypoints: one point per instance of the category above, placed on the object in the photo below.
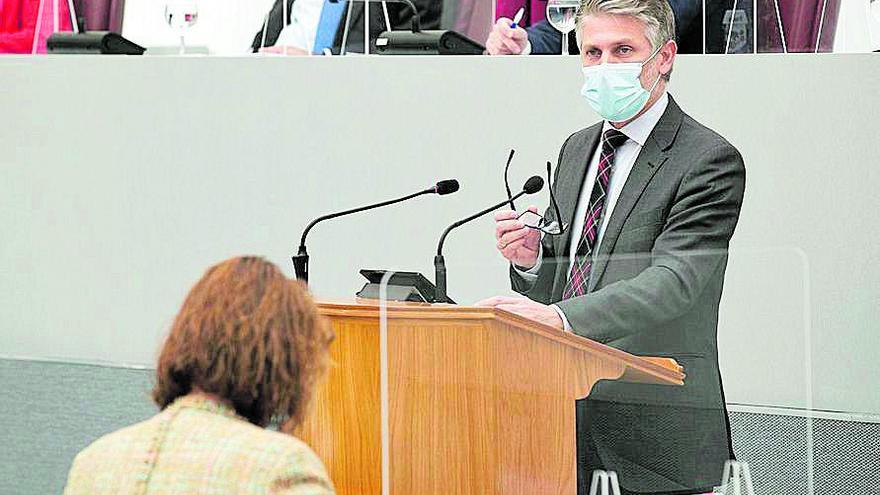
pixel 301 258
pixel 532 185
pixel 416 25
pixel 359 209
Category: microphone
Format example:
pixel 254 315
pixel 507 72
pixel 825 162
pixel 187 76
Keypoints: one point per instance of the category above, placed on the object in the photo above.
pixel 445 187
pixel 531 186
pixel 301 258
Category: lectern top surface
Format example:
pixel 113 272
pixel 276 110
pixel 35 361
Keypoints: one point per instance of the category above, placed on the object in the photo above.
pixel 639 368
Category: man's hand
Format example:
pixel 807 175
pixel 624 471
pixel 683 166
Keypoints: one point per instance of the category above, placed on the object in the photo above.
pixel 516 242
pixel 504 40
pixel 527 308
pixel 289 50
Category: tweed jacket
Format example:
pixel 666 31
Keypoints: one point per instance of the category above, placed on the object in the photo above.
pixel 197 446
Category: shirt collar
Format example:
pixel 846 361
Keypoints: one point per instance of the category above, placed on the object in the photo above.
pixel 204 403
pixel 639 129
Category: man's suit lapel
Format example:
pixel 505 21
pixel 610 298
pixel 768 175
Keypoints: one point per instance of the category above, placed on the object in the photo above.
pixel 571 183
pixel 649 161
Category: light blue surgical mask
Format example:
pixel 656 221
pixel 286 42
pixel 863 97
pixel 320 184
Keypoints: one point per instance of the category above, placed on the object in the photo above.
pixel 614 90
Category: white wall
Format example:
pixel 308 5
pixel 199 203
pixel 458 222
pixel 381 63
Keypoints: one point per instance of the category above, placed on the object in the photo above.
pixel 118 191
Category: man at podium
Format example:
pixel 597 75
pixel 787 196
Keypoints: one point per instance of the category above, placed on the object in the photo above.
pixel 648 199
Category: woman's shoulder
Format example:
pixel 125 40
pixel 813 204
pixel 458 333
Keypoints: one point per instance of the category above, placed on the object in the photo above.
pixel 299 470
pixel 292 465
pixel 111 455
pixel 259 455
pixel 287 448
pixel 118 442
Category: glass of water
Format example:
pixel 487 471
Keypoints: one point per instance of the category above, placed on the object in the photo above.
pixel 180 16
pixel 561 14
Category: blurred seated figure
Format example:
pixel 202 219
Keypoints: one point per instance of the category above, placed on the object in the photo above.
pixel 246 349
pixel 19 24
pixel 313 25
pixel 534 11
pixel 541 38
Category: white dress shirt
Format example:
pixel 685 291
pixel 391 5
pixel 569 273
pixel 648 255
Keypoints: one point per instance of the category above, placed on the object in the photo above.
pixel 624 158
pixel 303 28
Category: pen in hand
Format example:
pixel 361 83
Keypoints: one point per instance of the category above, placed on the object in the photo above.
pixel 518 17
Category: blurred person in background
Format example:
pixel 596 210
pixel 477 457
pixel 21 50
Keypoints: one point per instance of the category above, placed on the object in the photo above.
pixel 246 349
pixel 25 25
pixel 313 25
pixel 541 38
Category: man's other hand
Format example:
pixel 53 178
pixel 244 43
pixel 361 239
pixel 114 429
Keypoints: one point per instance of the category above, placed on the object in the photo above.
pixel 504 40
pixel 516 242
pixel 289 50
pixel 526 308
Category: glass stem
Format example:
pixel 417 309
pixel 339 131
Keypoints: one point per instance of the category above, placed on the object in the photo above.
pixel 565 43
pixel 182 46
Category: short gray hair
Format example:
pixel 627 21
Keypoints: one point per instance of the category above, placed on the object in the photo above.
pixel 656 15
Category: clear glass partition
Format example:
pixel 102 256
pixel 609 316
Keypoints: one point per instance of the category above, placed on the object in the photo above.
pixel 637 422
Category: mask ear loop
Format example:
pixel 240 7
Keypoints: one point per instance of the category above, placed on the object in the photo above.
pixel 654 54
pixel 656 82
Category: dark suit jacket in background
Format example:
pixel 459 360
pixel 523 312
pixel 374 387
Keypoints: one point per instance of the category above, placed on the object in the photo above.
pixel 546 40
pixel 430 12
pixel 654 290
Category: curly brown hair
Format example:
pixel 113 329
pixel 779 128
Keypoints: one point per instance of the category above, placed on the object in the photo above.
pixel 251 336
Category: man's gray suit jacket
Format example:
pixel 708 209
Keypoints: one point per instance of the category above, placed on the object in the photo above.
pixel 654 290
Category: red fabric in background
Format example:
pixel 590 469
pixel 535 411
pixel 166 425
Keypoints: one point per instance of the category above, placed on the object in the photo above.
pixel 801 21
pixel 535 10
pixel 18 22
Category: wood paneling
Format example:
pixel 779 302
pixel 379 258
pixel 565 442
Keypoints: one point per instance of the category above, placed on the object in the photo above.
pixel 343 424
pixel 480 400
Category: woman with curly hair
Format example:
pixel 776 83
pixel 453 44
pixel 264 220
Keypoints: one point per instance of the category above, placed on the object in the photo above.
pixel 246 350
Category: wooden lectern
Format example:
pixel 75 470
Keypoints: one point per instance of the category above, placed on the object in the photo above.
pixel 481 401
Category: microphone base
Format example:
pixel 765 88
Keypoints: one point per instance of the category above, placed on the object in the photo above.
pixel 436 42
pixel 400 286
pixel 406 293
pixel 92 42
pixel 440 278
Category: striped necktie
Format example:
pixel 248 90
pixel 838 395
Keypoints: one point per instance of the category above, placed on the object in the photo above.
pixel 579 274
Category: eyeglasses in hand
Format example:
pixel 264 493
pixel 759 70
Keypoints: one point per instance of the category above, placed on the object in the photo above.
pixel 529 218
